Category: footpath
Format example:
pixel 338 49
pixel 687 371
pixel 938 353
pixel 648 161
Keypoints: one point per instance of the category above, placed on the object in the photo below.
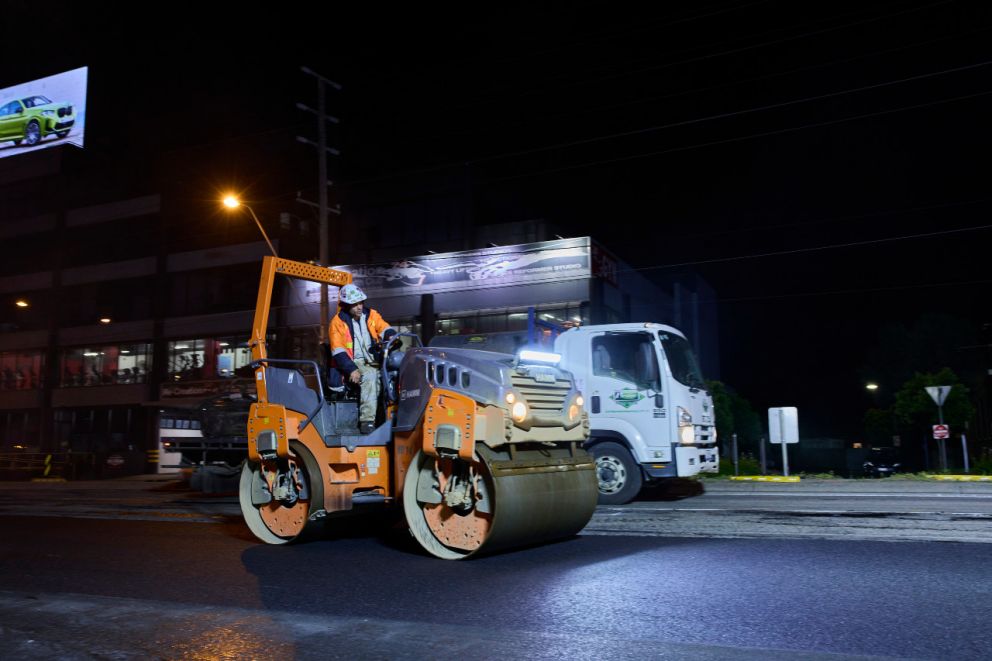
pixel 851 487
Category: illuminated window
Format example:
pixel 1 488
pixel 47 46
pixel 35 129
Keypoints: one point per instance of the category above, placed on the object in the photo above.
pixel 107 365
pixel 21 370
pixel 205 359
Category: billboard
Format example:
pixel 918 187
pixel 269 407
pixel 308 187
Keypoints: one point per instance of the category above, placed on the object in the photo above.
pixel 43 113
pixel 501 266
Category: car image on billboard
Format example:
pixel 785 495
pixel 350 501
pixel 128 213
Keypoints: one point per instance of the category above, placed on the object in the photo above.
pixel 43 113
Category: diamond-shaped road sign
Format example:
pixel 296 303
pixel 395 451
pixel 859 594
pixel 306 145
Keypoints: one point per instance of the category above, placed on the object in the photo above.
pixel 938 394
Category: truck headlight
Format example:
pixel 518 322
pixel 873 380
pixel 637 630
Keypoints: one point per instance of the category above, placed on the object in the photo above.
pixel 687 435
pixel 685 418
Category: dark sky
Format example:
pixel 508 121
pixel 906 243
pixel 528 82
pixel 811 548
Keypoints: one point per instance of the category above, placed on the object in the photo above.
pixel 714 135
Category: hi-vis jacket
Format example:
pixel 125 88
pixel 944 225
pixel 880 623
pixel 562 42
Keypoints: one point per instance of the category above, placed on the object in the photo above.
pixel 341 334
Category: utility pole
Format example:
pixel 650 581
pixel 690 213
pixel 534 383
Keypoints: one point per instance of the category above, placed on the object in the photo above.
pixel 322 182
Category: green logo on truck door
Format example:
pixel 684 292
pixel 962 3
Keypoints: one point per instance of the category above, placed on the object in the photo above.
pixel 627 397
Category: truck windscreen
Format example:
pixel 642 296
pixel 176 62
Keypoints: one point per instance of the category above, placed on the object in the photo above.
pixel 681 360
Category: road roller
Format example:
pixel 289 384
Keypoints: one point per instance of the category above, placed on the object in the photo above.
pixel 481 450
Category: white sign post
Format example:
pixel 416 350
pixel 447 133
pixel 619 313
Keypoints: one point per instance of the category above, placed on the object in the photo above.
pixel 783 429
pixel 939 395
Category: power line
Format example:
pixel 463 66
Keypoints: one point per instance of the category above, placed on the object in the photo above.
pixel 797 251
pixel 725 115
pixel 733 51
pixel 860 290
pixel 734 83
pixel 834 219
pixel 661 127
pixel 713 143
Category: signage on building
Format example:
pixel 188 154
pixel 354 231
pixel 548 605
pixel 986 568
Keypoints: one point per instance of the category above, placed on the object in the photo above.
pixel 206 389
pixel 43 113
pixel 530 263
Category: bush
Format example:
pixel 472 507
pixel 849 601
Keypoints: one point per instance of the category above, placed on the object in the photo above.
pixel 747 465
pixel 983 466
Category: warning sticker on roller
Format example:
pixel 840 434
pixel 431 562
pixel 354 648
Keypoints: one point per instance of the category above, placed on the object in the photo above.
pixel 373 463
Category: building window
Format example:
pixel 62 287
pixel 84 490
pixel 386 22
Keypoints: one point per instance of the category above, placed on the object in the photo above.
pixel 205 359
pixel 116 428
pixel 111 365
pixel 21 370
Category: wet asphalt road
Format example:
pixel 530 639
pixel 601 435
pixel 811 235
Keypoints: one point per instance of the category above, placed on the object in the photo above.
pixel 99 588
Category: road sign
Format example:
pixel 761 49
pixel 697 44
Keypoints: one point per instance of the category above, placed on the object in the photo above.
pixel 783 425
pixel 941 431
pixel 938 394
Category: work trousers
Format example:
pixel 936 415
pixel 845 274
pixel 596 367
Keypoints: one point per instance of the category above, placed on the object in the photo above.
pixel 370 390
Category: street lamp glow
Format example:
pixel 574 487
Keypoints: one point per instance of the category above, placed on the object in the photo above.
pixel 104 320
pixel 872 386
pixel 21 303
pixel 232 202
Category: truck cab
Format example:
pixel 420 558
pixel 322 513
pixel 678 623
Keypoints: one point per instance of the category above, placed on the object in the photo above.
pixel 649 412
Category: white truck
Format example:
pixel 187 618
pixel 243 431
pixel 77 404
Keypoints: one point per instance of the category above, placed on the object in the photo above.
pixel 650 415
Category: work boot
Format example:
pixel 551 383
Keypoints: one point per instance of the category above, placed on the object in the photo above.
pixel 366 427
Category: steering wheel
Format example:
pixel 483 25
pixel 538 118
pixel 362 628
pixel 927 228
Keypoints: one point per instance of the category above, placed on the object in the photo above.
pixel 391 347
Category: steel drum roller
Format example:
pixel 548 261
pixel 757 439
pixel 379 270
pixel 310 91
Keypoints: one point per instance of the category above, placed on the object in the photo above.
pixel 537 496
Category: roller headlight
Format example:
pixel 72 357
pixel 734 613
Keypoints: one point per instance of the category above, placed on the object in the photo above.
pixel 687 435
pixel 519 411
pixel 511 397
pixel 573 413
pixel 579 401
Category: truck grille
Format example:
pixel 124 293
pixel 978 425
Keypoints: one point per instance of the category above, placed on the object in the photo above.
pixel 704 434
pixel 543 398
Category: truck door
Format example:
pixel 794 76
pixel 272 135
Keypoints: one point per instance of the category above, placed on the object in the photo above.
pixel 625 378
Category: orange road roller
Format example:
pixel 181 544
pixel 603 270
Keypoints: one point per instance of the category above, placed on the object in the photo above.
pixel 482 450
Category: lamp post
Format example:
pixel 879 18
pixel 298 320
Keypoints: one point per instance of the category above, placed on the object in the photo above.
pixel 232 202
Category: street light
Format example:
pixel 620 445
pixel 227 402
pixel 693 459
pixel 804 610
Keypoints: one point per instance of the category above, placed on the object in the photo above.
pixel 871 386
pixel 232 202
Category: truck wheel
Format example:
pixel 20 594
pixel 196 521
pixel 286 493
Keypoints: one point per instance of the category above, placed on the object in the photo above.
pixel 618 474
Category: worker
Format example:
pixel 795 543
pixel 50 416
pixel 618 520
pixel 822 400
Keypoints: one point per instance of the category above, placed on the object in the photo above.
pixel 354 333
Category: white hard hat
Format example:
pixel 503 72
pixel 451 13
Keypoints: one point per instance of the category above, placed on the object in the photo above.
pixel 351 294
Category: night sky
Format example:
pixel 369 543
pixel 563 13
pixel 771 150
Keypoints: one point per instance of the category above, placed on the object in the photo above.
pixel 823 165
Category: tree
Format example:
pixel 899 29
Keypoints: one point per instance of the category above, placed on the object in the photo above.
pixel 933 342
pixel 915 408
pixel 879 427
pixel 734 414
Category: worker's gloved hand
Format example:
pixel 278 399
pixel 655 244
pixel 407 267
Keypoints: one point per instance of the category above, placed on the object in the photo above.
pixel 355 377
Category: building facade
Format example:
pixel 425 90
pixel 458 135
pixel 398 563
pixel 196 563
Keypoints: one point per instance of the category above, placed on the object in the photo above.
pixel 117 300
